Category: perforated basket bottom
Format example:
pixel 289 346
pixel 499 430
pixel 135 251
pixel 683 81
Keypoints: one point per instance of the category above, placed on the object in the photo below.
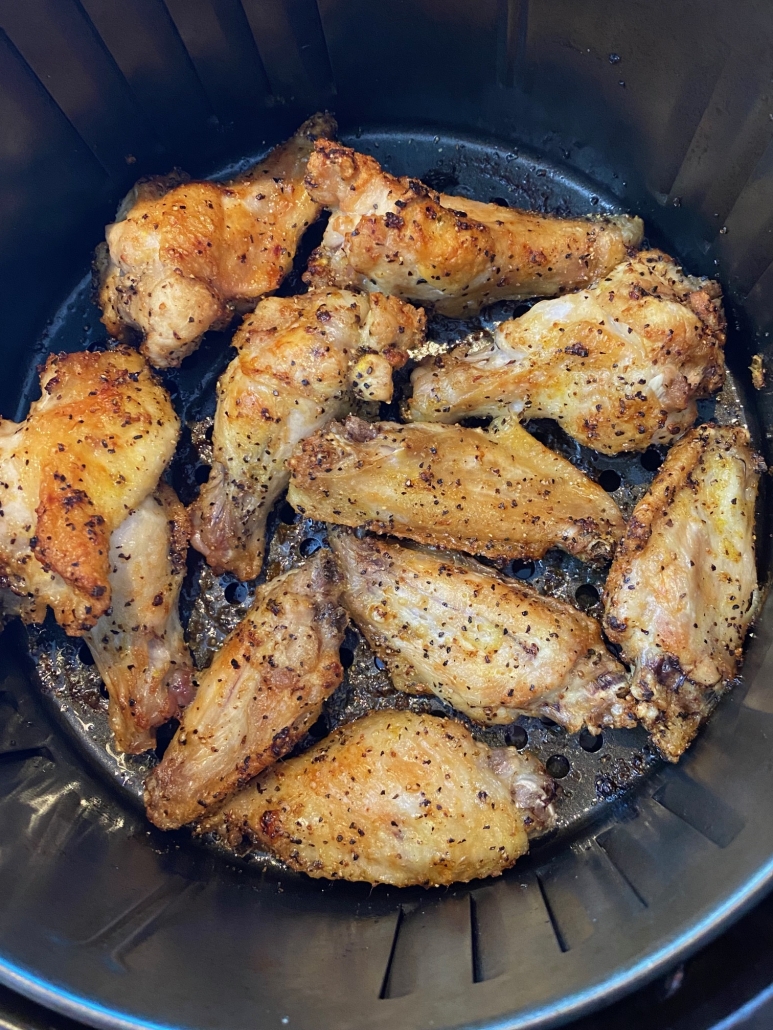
pixel 591 771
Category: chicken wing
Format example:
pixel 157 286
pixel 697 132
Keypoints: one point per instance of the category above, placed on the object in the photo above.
pixel 89 452
pixel 301 360
pixel 263 690
pixel 500 493
pixel 619 365
pixel 683 587
pixel 182 256
pixel 494 649
pixel 395 798
pixel 138 644
pixel 449 253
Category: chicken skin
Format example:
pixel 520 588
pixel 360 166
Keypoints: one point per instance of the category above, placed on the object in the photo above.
pixel 138 644
pixel 88 454
pixel 683 587
pixel 499 493
pixel 182 256
pixel 264 689
pixel 395 798
pixel 451 254
pixel 619 366
pixel 492 648
pixel 301 362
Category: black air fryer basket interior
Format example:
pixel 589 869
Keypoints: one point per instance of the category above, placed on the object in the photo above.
pixel 660 109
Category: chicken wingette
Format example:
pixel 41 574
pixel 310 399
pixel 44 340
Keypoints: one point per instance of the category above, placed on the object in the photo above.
pixel 620 365
pixel 301 361
pixel 264 689
pixel 182 256
pixel 138 645
pixel 499 493
pixel 91 449
pixel 451 254
pixel 683 587
pixel 394 798
pixel 492 648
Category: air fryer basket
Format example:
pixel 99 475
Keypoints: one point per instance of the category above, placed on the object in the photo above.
pixel 668 110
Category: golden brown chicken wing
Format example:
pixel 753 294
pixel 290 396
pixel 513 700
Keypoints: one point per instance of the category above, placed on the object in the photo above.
pixel 138 644
pixel 263 690
pixel 494 649
pixel 395 798
pixel 182 256
pixel 89 452
pixel 301 361
pixel 449 253
pixel 619 365
pixel 500 493
pixel 683 587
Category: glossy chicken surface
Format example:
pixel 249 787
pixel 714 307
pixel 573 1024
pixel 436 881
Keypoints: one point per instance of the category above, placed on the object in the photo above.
pixel 492 648
pixel 619 365
pixel 138 646
pixel 91 449
pixel 683 587
pixel 396 798
pixel 452 254
pixel 301 362
pixel 264 689
pixel 182 256
pixel 499 493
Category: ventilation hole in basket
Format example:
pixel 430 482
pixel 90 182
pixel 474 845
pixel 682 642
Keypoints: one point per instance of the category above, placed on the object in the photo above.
pixel 201 473
pixel 235 593
pixel 85 655
pixel 319 730
pixel 309 546
pixel 164 736
pixel 380 665
pixel 103 692
pixel 516 736
pixel 473 422
pixel 499 201
pixel 586 595
pixel 521 569
pixel 346 656
pixel 589 742
pixel 558 766
pixel 610 480
pixel 652 459
pixel 287 513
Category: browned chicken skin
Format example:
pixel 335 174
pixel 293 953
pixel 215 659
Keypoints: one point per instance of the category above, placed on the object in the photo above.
pixel 302 361
pixel 449 253
pixel 89 452
pixel 395 798
pixel 499 493
pixel 182 256
pixel 138 645
pixel 264 689
pixel 619 365
pixel 493 648
pixel 683 587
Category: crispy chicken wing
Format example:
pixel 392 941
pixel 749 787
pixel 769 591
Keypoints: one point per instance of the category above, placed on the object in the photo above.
pixel 494 649
pixel 500 493
pixel 619 365
pixel 683 587
pixel 449 253
pixel 89 452
pixel 301 361
pixel 182 256
pixel 138 644
pixel 395 798
pixel 263 690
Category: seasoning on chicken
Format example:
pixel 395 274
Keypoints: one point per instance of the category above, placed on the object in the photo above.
pixel 138 644
pixel 501 494
pixel 492 648
pixel 395 798
pixel 619 366
pixel 183 256
pixel 683 587
pixel 452 254
pixel 264 689
pixel 91 449
pixel 301 361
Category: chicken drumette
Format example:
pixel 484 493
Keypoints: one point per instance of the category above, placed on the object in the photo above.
pixel 302 361
pixel 182 256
